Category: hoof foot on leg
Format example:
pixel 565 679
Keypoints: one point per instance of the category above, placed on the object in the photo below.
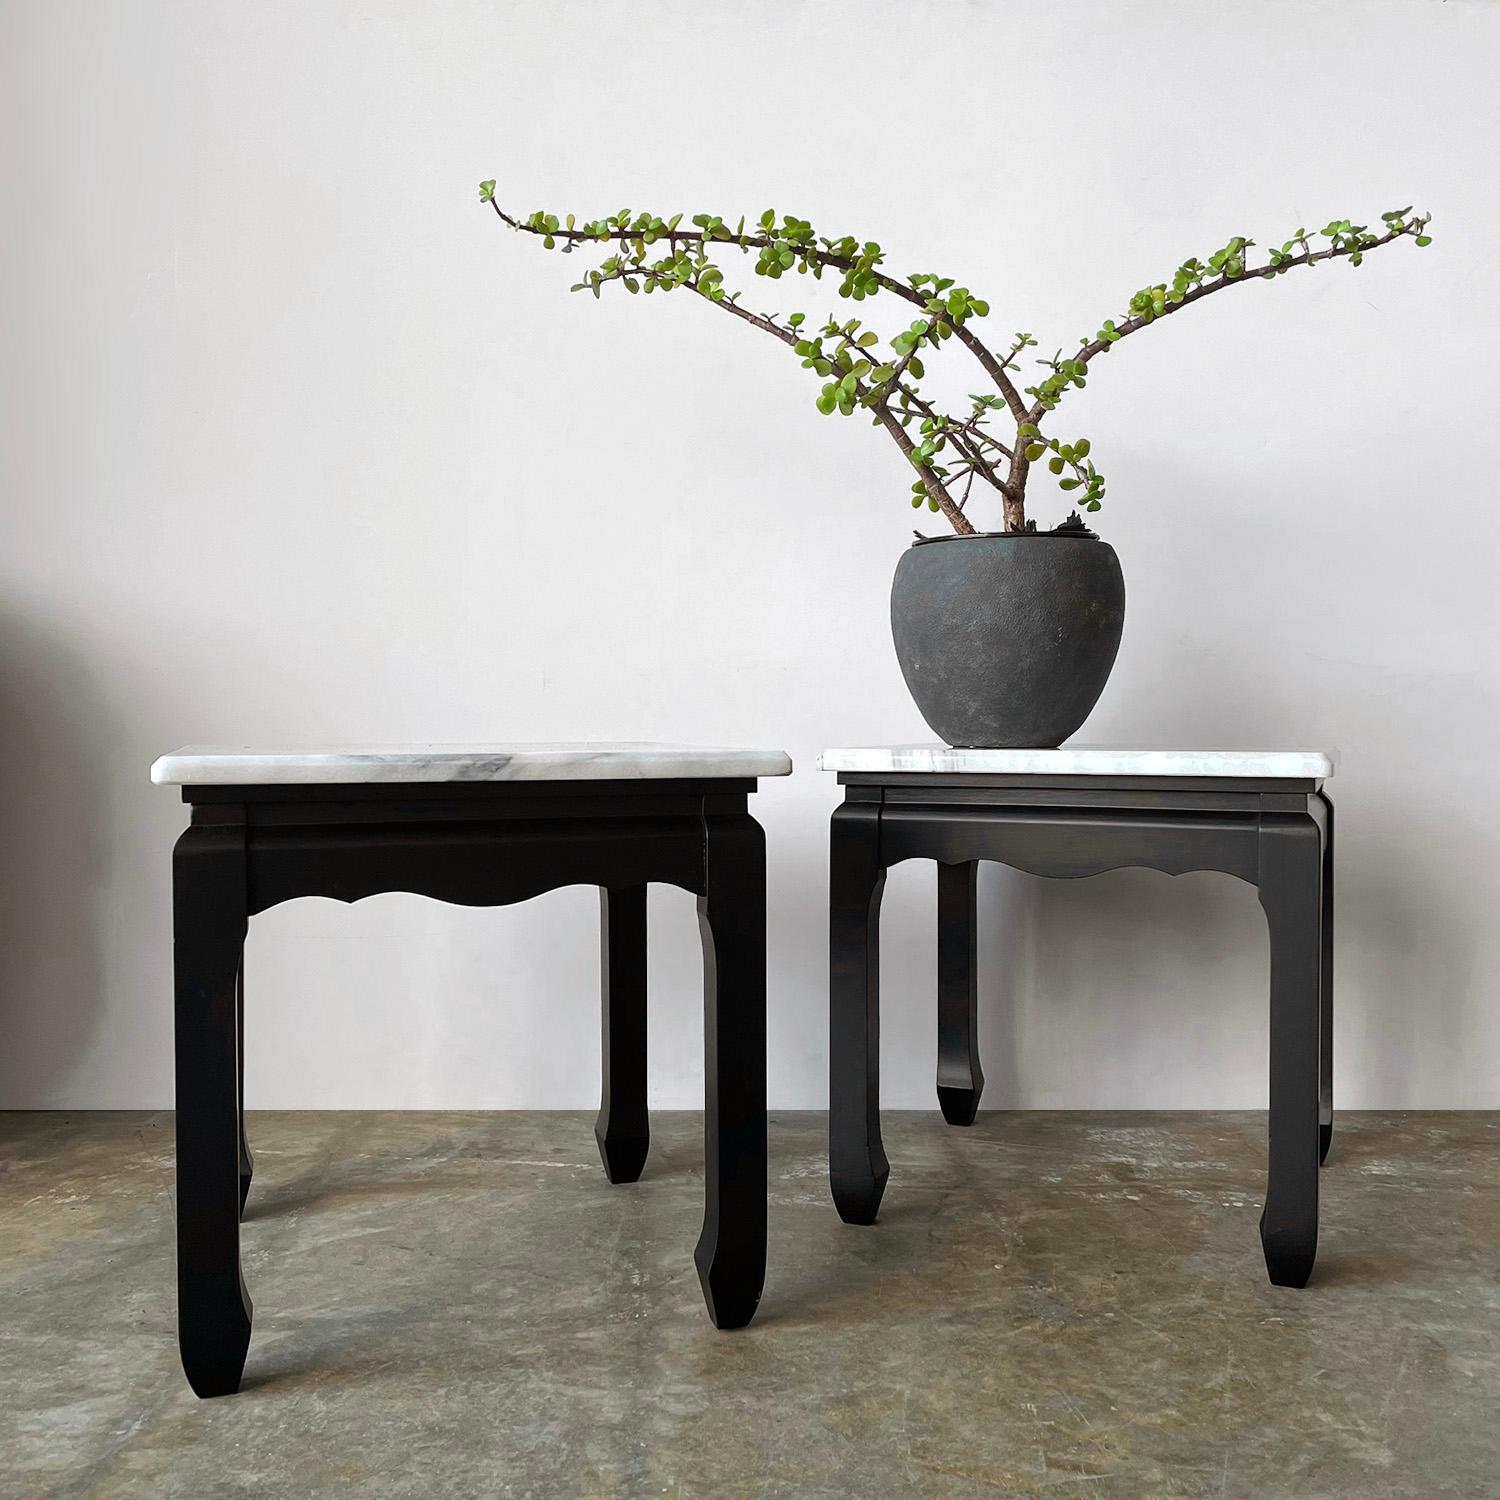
pixel 214 1342
pixel 959 1106
pixel 857 1198
pixel 732 1285
pixel 1289 1256
pixel 624 1157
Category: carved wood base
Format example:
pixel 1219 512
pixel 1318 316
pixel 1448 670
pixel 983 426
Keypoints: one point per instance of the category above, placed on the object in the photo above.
pixel 251 848
pixel 1279 839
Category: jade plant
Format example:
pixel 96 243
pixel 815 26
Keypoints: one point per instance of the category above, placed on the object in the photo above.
pixel 860 371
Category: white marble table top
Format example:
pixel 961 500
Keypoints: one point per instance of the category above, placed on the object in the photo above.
pixel 1088 760
pixel 347 765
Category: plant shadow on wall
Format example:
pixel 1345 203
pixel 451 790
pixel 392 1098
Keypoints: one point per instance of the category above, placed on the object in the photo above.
pixel 51 832
pixel 1008 639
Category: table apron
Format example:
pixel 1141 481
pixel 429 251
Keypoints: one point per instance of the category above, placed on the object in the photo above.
pixel 471 864
pixel 1071 843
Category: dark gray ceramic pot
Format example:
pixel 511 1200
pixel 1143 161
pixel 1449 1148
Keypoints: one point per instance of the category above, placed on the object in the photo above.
pixel 1006 641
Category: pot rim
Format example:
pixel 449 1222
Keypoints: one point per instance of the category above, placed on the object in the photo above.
pixel 1007 536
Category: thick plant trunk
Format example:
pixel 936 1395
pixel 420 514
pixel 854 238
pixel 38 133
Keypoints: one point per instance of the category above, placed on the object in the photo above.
pixel 1015 502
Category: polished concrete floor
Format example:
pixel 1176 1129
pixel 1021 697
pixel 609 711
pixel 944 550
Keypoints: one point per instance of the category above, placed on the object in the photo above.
pixel 460 1305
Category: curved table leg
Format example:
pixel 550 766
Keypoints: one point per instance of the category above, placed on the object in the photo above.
pixel 623 1128
pixel 731 1251
pixel 857 1165
pixel 247 1161
pixel 209 919
pixel 1291 869
pixel 960 1079
pixel 1325 994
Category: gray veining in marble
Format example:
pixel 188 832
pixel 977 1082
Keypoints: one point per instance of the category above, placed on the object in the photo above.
pixel 1086 760
pixel 249 765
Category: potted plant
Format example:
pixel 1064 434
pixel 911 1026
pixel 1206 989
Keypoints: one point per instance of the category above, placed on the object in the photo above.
pixel 1005 637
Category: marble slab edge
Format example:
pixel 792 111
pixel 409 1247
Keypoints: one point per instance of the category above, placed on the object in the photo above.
pixel 210 766
pixel 1302 765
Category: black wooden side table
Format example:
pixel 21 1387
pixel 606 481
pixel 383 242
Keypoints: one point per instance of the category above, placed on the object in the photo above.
pixel 1068 813
pixel 482 825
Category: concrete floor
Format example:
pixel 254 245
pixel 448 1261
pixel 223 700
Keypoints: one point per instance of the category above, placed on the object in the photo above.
pixel 460 1305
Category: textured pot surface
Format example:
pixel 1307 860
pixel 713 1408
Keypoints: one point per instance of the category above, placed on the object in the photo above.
pixel 1006 642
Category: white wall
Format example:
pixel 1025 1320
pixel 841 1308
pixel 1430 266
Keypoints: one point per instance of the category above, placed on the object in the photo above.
pixel 296 443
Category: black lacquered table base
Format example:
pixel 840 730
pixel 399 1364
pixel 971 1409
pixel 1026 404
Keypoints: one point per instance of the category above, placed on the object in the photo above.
pixel 1277 835
pixel 249 848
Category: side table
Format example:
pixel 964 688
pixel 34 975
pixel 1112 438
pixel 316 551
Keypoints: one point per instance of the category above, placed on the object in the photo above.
pixel 1262 816
pixel 480 825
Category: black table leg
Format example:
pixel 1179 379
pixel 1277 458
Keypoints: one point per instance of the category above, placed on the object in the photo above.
pixel 960 1079
pixel 209 916
pixel 731 1251
pixel 1325 1021
pixel 623 1129
pixel 857 1165
pixel 247 1161
pixel 1291 866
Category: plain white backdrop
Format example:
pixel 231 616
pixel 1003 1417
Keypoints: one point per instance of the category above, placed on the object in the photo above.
pixel 297 443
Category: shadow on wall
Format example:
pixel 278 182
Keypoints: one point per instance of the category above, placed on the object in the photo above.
pixel 51 842
pixel 1411 921
pixel 1178 967
pixel 1159 982
pixel 1009 903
